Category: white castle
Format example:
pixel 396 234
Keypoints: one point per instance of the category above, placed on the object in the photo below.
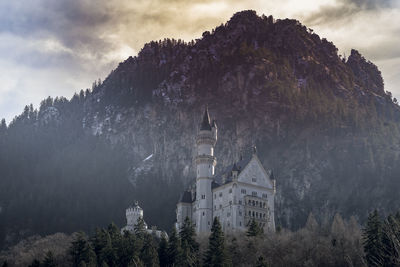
pixel 242 192
pixel 133 214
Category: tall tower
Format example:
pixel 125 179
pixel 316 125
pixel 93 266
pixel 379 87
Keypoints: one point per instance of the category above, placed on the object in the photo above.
pixel 205 166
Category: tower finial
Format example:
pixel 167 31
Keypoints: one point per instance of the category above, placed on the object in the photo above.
pixel 254 150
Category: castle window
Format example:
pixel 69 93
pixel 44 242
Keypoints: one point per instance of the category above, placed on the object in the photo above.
pixel 254 194
pixel 264 205
pixel 240 213
pixel 249 213
pixel 208 222
pixel 240 202
pixel 203 196
pixel 220 194
pixel 264 196
pixel 204 213
pixel 256 214
pixel 215 196
pixel 230 190
pixel 260 205
pixel 228 214
pixel 240 223
pixel 249 202
pixel 220 206
pixel 243 191
pixel 230 202
pixel 254 180
pixel 215 207
pixel 254 203
pixel 253 213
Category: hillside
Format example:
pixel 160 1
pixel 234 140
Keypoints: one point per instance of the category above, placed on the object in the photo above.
pixel 323 123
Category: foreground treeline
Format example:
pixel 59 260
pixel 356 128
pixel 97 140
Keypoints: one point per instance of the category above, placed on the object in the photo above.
pixel 339 243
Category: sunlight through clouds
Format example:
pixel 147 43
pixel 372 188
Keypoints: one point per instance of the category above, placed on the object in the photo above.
pixel 81 41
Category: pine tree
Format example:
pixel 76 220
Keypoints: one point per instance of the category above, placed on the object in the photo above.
pixel 35 263
pixel 190 248
pixel 390 242
pixel 148 254
pixel 174 250
pixel 140 229
pixel 372 236
pixel 261 262
pixel 216 255
pixel 49 260
pixel 254 229
pixel 81 251
pixel 127 251
pixel 162 251
pixel 3 127
pixel 102 247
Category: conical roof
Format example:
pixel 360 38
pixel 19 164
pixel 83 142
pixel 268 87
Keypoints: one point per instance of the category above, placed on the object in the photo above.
pixel 205 123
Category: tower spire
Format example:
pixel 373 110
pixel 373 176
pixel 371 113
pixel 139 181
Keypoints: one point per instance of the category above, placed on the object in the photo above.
pixel 205 123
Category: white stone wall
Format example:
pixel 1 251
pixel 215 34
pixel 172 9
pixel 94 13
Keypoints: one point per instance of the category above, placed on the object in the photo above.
pixel 133 214
pixel 230 201
pixel 203 205
pixel 205 149
pixel 183 210
pixel 205 170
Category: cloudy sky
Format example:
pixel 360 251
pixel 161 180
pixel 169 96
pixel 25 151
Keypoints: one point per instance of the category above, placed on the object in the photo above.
pixel 55 48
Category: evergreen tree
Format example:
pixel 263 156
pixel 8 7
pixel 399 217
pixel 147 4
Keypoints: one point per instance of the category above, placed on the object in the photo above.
pixel 81 251
pixel 139 228
pixel 254 229
pixel 35 263
pixel 49 260
pixel 102 247
pixel 162 251
pixel 116 238
pixel 3 127
pixel 261 262
pixel 148 254
pixel 390 242
pixel 5 264
pixel 128 252
pixel 216 255
pixel 174 250
pixel 190 247
pixel 372 236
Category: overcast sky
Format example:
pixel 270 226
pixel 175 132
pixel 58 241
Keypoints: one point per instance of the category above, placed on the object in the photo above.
pixel 55 48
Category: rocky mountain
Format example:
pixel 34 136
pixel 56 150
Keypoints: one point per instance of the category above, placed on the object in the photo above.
pixel 322 122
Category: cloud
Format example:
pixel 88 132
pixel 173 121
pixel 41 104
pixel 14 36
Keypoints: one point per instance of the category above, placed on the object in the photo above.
pixel 343 11
pixel 58 47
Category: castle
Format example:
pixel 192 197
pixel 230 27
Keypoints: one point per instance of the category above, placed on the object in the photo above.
pixel 240 193
pixel 133 213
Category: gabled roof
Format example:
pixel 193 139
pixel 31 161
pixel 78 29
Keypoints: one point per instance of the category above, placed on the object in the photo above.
pixel 238 166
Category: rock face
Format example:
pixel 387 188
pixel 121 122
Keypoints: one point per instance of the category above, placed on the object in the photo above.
pixel 322 123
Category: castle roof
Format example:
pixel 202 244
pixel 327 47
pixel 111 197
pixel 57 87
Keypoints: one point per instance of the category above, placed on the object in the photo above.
pixel 205 124
pixel 227 172
pixel 186 197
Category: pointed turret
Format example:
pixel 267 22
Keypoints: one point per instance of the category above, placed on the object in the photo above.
pixel 205 123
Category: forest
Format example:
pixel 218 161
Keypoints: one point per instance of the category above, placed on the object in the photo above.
pixel 340 243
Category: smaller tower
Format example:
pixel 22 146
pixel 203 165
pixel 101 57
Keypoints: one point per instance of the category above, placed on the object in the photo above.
pixel 133 213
